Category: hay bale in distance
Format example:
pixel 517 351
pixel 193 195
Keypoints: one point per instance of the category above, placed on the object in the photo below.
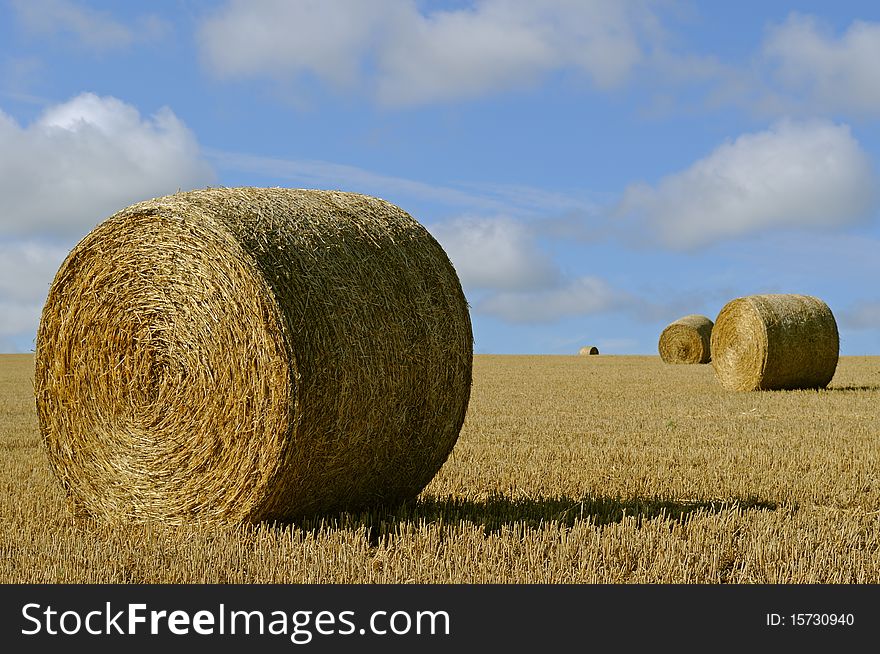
pixel 764 342
pixel 686 340
pixel 588 349
pixel 242 354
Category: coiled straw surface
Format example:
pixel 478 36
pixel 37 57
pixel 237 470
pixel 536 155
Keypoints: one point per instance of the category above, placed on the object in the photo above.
pixel 245 354
pixel 588 349
pixel 686 340
pixel 764 342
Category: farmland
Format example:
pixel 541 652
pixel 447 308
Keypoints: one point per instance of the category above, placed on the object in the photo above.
pixel 602 469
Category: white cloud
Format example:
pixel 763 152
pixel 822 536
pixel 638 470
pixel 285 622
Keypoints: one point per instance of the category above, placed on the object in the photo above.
pixel 835 72
pixel 580 297
pixel 404 55
pixel 91 28
pixel 87 158
pixel 796 174
pixel 278 37
pixel 495 253
pixel 76 164
pixel 497 45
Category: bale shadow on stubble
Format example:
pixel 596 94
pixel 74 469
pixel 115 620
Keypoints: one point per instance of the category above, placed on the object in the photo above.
pixel 853 388
pixel 499 511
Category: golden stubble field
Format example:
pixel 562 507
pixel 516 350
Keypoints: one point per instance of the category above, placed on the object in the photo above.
pixel 608 469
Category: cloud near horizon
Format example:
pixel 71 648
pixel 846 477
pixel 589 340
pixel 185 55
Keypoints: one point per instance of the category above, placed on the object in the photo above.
pixel 810 174
pixel 508 275
pixel 862 315
pixel 26 270
pixel 87 27
pixel 583 296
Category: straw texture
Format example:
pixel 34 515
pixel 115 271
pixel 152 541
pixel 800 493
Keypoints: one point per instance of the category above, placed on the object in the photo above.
pixel 686 340
pixel 764 342
pixel 245 354
pixel 588 349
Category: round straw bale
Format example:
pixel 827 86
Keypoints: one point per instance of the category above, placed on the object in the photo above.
pixel 243 354
pixel 764 342
pixel 588 349
pixel 686 340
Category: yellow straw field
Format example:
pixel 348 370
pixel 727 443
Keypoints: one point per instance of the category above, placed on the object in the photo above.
pixel 569 469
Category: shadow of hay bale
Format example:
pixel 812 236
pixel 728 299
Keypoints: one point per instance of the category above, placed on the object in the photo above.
pixel 499 511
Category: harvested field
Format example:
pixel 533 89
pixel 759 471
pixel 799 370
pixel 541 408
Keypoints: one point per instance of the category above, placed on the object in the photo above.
pixel 630 471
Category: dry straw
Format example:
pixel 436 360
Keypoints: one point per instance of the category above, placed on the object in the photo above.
pixel 245 354
pixel 686 340
pixel 764 342
pixel 588 349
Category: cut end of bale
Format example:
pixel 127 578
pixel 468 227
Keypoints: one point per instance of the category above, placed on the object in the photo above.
pixel 770 342
pixel 244 354
pixel 686 340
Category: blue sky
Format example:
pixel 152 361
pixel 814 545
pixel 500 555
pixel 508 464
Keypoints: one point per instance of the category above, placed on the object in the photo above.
pixel 594 168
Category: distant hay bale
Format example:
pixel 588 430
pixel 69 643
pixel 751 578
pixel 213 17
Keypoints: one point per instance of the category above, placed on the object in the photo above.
pixel 241 354
pixel 588 349
pixel 764 342
pixel 686 340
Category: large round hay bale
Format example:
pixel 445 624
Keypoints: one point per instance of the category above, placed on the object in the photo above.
pixel 764 342
pixel 588 350
pixel 686 340
pixel 246 354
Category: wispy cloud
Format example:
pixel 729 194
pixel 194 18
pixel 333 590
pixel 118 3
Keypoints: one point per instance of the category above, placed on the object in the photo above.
pixel 93 29
pixel 19 76
pixel 469 197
